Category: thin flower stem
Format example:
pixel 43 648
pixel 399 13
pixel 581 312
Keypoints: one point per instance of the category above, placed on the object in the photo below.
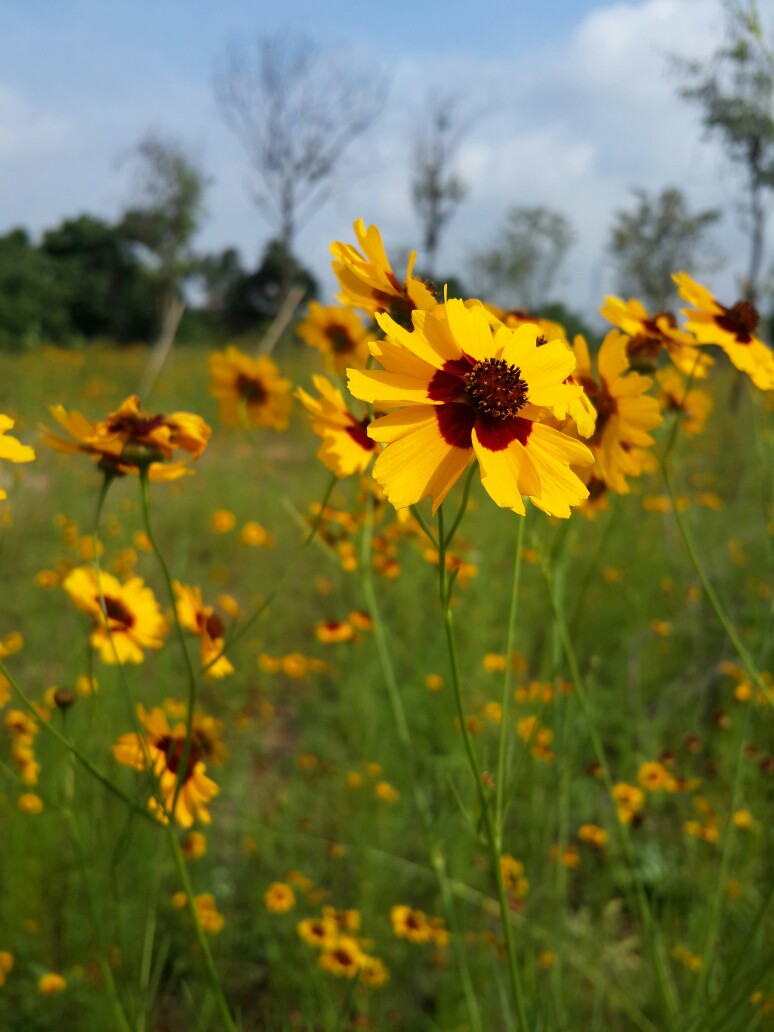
pixel 462 509
pixel 733 635
pixel 666 985
pixel 71 747
pixel 404 736
pixel 193 686
pixel 506 695
pixel 445 588
pixel 201 938
pixel 241 631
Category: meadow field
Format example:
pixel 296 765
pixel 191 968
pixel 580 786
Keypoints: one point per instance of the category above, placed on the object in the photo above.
pixel 589 849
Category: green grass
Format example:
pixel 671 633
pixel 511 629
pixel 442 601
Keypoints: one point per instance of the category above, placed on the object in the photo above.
pixel 284 802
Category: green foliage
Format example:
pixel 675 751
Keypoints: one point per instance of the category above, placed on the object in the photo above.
pixel 32 302
pixel 659 236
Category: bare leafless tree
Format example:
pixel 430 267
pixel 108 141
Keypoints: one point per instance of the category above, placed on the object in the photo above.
pixel 436 188
pixel 295 109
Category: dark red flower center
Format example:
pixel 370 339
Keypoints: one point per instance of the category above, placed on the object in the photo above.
pixel 118 613
pixel 174 750
pixel 340 339
pixel 136 428
pixel 211 625
pixel 359 434
pixel 496 389
pixel 343 957
pixel 251 389
pixel 741 320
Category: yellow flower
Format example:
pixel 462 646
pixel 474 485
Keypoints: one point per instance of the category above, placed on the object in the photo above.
pixel 733 329
pixel 210 918
pixel 343 957
pixel 629 799
pixel 10 448
pixel 461 392
pixel 692 404
pixel 434 682
pixel 160 750
pixel 593 835
pixel 386 793
pixel 513 876
pixel 194 845
pixel 222 521
pixel 254 535
pixel 624 413
pixel 321 932
pixel 250 390
pixel 51 983
pixel 654 776
pixel 279 898
pixel 336 332
pixel 346 447
pixel 334 631
pixel 130 619
pixel 130 438
pixel 30 803
pixel 373 972
pixel 368 282
pixel 6 962
pixel 207 625
pixel 648 334
pixel 410 924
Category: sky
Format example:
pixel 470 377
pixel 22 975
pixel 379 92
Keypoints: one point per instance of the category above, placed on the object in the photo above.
pixel 571 104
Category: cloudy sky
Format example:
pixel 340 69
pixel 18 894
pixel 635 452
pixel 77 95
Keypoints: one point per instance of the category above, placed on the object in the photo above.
pixel 572 102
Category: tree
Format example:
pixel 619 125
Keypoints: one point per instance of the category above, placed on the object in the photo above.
pixel 256 298
pixel 736 96
pixel 436 189
pixel 521 268
pixel 32 303
pixel 106 290
pixel 295 110
pixel 657 237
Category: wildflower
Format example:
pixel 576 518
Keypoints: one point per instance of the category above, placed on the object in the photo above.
pixel 127 616
pixel 654 776
pixel 204 622
pixel 513 876
pixel 160 749
pixel 279 898
pixel 569 857
pixel 410 924
pixel 629 799
pixel 222 521
pixel 434 682
pixel 210 918
pixel 361 620
pixel 692 404
pixel 51 983
pixel 648 335
pixel 593 835
pixel 373 972
pixel 546 959
pixel 6 965
pixel 346 920
pixel 11 449
pixel 254 535
pixel 194 845
pixel 337 332
pixel 334 631
pixel 346 447
pixel 624 413
pixel 688 959
pixel 743 820
pixel 130 439
pixel 494 662
pixel 493 711
pixel 321 932
pixel 386 793
pixel 250 390
pixel 733 329
pixel 461 392
pixel 343 957
pixel 368 282
pixel 30 803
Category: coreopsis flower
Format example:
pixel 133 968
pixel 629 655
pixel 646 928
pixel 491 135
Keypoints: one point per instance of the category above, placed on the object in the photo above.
pixel 337 332
pixel 368 282
pixel 127 616
pixel 691 403
pixel 130 439
pixel 373 972
pixel 160 750
pixel 11 449
pixel 462 391
pixel 343 957
pixel 321 932
pixel 410 924
pixel 279 898
pixel 513 318
pixel 624 412
pixel 346 447
pixel 250 390
pixel 650 334
pixel 733 329
pixel 51 983
pixel 204 622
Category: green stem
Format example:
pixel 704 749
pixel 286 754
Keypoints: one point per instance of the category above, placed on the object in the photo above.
pixel 733 635
pixel 201 938
pixel 506 694
pixel 71 747
pixel 445 588
pixel 665 982
pixel 462 509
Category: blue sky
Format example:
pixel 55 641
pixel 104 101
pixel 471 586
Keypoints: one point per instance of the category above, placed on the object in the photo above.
pixel 573 100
